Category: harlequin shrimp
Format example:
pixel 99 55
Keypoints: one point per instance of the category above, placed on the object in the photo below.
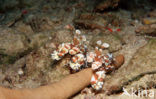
pixel 81 58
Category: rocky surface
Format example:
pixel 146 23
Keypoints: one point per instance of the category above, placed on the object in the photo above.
pixel 115 41
pixel 14 44
pixel 37 64
pixel 147 30
pixel 107 4
pixel 97 21
pixel 140 65
pixel 149 21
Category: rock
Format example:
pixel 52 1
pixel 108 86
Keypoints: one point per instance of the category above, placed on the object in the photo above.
pixel 152 13
pixel 147 30
pixel 101 96
pixel 90 21
pixel 23 28
pixel 149 21
pixel 88 24
pixel 62 35
pixel 115 41
pixel 145 82
pixel 40 65
pixel 12 43
pixel 10 72
pixel 87 16
pixel 9 19
pixel 137 13
pixel 6 4
pixel 15 44
pixel 98 21
pixel 39 39
pixel 106 4
pixel 60 71
pixel 39 23
pixel 39 62
pixel 142 64
pixel 29 2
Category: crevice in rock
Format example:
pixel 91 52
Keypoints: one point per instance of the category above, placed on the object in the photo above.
pixel 139 77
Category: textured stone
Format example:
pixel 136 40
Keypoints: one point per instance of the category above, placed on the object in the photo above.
pixel 142 63
pixel 147 30
pixel 7 4
pixel 62 36
pixel 107 4
pixel 149 20
pixel 115 41
pixel 12 43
